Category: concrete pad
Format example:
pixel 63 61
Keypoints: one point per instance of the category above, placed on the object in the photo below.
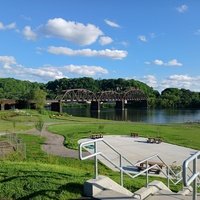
pixel 135 149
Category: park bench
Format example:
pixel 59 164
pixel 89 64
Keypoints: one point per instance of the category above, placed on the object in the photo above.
pixel 96 136
pixel 157 140
pixel 134 135
pixel 154 169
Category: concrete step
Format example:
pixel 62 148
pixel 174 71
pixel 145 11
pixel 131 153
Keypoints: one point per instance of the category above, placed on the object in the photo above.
pixel 93 187
pixel 167 195
pixel 111 194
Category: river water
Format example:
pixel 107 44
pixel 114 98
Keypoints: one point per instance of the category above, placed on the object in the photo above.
pixel 139 115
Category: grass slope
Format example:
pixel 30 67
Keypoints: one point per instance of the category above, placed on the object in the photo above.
pixel 187 135
pixel 42 176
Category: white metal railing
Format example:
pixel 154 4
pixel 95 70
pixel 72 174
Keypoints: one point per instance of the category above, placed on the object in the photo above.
pixel 191 176
pixel 175 178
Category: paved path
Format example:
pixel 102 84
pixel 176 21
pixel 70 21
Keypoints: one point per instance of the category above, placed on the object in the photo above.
pixel 54 144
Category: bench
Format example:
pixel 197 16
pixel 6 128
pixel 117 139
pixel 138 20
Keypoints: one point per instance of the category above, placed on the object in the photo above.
pixel 157 140
pixel 96 136
pixel 134 135
pixel 155 169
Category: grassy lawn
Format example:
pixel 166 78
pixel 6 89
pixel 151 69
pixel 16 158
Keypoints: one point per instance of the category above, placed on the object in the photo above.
pixel 187 135
pixel 42 176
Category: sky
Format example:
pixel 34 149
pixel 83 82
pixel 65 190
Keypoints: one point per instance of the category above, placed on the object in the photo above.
pixel 153 41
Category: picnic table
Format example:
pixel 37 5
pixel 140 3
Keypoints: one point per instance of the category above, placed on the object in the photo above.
pixel 148 164
pixel 156 140
pixel 134 134
pixel 96 136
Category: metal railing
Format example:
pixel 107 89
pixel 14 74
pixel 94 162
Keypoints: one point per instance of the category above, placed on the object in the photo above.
pixel 175 178
pixel 13 141
pixel 191 176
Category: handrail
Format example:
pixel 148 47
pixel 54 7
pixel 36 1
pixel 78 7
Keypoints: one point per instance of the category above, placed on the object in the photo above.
pixel 121 158
pixel 187 179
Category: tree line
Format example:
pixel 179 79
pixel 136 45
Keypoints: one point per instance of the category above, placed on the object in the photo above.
pixel 11 88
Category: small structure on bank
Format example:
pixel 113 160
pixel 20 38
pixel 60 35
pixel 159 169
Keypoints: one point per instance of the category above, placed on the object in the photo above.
pixel 7 104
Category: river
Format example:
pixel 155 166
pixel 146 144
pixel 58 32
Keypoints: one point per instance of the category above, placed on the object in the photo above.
pixel 162 116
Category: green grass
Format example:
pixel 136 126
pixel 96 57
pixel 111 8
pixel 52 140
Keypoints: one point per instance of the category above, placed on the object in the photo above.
pixel 187 135
pixel 43 176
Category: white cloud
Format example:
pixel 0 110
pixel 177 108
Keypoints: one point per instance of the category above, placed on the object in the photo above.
pixel 86 70
pixel 173 81
pixel 182 81
pixel 29 33
pixel 8 26
pixel 7 60
pixel 150 80
pixel 142 38
pixel 158 62
pixel 113 54
pixel 112 24
pixel 10 68
pixel 104 40
pixel 72 31
pixel 173 62
pixel 182 8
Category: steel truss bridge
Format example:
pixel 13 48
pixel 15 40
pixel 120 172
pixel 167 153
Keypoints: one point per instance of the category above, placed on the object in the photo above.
pixel 84 95
pixel 95 99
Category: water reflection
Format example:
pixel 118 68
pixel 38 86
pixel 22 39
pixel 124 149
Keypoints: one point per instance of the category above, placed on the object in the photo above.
pixel 139 115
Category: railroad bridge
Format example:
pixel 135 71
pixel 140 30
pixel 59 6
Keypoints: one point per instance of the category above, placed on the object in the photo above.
pixel 95 99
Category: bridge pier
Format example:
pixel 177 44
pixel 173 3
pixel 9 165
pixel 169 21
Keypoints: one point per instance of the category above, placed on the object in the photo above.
pixel 120 104
pixel 95 105
pixel 56 106
pixel 2 106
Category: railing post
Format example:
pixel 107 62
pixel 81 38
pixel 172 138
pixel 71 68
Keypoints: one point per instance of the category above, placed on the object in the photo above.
pixel 195 180
pixel 147 174
pixel 95 161
pixel 121 171
pixel 167 176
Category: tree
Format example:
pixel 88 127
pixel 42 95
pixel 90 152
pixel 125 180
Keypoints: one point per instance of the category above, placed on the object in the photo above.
pixel 39 98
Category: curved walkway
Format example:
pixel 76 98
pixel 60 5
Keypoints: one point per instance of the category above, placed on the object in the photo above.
pixel 54 144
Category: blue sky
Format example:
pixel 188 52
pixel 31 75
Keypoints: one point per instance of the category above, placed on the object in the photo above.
pixel 154 41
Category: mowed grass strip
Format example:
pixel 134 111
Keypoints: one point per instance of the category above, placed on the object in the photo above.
pixel 187 134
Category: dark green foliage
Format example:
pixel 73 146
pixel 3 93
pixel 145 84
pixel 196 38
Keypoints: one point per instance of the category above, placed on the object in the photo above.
pixel 15 89
pixel 179 98
pixel 169 98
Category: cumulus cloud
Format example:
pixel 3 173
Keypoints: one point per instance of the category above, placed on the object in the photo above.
pixel 72 31
pixel 173 81
pixel 86 70
pixel 173 62
pixel 104 40
pixel 29 34
pixel 182 81
pixel 8 26
pixel 113 54
pixel 142 38
pixel 10 68
pixel 75 32
pixel 150 80
pixel 158 62
pixel 182 8
pixel 7 60
pixel 112 24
